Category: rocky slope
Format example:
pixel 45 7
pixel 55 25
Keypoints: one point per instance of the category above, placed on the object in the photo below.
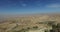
pixel 14 24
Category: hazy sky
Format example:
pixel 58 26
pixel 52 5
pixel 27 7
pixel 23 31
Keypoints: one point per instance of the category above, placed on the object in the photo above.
pixel 29 6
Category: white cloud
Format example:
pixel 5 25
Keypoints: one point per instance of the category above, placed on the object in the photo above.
pixel 53 5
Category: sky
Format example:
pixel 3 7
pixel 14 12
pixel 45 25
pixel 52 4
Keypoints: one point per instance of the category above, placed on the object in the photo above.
pixel 29 6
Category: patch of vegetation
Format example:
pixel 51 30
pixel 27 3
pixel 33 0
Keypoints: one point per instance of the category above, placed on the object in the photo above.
pixel 39 23
pixel 51 23
pixel 55 28
pixel 28 28
pixel 22 30
pixel 35 27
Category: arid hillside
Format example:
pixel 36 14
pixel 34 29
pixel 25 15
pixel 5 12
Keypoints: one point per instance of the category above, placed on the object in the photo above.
pixel 16 24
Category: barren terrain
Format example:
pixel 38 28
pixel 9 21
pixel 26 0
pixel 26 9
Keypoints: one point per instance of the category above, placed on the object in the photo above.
pixel 27 23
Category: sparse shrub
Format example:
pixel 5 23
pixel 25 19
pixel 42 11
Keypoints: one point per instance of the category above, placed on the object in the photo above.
pixel 40 23
pixel 4 28
pixel 46 31
pixel 35 27
pixel 19 30
pixel 52 31
pixel 51 23
pixel 15 31
pixel 23 30
pixel 55 28
pixel 28 28
pixel 13 21
pixel 58 25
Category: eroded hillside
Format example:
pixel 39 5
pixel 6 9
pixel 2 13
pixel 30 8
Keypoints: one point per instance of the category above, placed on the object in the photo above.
pixel 28 23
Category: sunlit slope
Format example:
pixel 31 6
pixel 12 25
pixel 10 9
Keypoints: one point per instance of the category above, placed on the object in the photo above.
pixel 27 22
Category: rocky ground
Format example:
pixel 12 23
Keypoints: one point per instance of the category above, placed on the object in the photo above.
pixel 28 23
